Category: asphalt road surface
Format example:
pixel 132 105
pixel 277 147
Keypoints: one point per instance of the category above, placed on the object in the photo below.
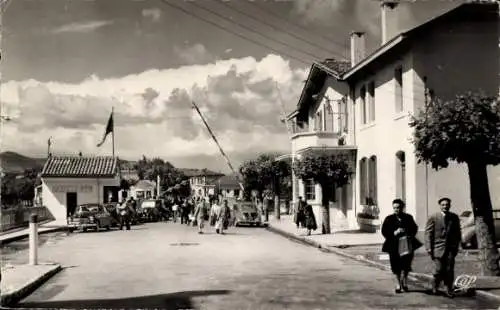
pixel 170 266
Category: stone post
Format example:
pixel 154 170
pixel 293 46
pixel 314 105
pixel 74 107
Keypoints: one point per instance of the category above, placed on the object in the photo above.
pixel 33 240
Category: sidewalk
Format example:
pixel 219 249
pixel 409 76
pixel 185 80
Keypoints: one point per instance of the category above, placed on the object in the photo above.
pixel 18 234
pixel 339 242
pixel 338 238
pixel 21 280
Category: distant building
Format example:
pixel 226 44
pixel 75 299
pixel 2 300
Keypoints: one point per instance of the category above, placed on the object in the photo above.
pixel 69 181
pixel 229 187
pixel 202 181
pixel 143 189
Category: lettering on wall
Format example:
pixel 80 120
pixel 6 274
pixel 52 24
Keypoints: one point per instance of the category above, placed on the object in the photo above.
pixel 82 188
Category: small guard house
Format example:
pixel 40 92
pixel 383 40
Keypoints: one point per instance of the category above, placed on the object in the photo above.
pixel 69 181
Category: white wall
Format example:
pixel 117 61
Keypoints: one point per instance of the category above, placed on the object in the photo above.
pixel 88 191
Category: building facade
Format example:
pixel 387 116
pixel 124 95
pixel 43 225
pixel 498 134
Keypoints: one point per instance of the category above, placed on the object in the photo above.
pixel 382 90
pixel 69 181
pixel 143 189
pixel 228 187
pixel 202 181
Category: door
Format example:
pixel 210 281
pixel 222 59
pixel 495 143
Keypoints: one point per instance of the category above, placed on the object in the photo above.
pixel 71 203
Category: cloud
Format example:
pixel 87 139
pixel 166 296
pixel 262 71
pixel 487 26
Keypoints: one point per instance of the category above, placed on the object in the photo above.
pixel 194 54
pixel 153 111
pixel 349 12
pixel 82 27
pixel 153 13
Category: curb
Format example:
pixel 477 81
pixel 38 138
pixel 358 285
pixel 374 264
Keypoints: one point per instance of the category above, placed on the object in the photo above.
pixel 23 236
pixel 16 296
pixel 415 276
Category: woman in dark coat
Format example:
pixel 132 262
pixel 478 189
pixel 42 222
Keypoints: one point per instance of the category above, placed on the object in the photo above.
pixel 310 220
pixel 399 230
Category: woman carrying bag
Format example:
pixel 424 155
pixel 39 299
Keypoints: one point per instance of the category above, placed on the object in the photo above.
pixel 399 230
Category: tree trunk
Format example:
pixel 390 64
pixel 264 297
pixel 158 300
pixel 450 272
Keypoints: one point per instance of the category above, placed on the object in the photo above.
pixel 277 208
pixel 482 208
pixel 325 208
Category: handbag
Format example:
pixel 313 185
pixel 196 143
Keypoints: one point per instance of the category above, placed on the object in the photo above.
pixel 404 246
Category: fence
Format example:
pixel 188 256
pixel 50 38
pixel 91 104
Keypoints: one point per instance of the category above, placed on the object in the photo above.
pixel 20 216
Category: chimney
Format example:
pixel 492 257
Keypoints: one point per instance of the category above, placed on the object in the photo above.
pixel 389 16
pixel 357 47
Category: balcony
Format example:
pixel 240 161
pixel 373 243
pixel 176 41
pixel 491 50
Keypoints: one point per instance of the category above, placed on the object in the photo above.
pixel 303 141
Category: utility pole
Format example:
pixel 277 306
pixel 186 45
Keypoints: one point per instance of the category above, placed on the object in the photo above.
pixel 218 145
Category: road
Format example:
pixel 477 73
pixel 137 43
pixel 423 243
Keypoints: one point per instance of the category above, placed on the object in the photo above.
pixel 170 266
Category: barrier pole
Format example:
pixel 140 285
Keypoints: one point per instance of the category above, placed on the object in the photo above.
pixel 33 240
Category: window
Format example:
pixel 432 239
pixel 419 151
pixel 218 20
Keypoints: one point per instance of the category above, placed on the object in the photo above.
pixel 318 124
pixel 371 101
pixel 398 77
pixel 362 96
pixel 343 114
pixel 372 179
pixel 401 175
pixel 310 190
pixel 363 176
pixel 329 119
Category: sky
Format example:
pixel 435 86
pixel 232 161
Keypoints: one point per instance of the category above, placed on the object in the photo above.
pixel 67 63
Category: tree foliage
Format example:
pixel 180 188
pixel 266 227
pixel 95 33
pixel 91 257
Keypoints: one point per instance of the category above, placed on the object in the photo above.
pixel 264 172
pixel 324 168
pixel 170 177
pixel 466 129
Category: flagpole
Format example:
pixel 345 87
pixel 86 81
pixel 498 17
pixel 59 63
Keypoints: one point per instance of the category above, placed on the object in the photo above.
pixel 113 130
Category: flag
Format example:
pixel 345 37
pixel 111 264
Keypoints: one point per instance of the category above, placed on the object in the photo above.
pixel 109 129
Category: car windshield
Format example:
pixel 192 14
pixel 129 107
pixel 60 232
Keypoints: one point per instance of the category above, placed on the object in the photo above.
pixel 84 209
pixel 148 204
pixel 247 208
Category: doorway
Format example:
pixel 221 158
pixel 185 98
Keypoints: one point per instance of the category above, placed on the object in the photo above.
pixel 71 203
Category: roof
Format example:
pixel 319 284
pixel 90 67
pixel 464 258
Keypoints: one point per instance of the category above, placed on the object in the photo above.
pixel 466 11
pixel 145 185
pixel 315 82
pixel 228 182
pixel 189 172
pixel 80 167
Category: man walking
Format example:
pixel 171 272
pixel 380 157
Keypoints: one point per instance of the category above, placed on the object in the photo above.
pixel 124 210
pixel 442 241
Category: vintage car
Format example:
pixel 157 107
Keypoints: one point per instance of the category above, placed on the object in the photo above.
pixel 467 224
pixel 91 216
pixel 245 213
pixel 149 210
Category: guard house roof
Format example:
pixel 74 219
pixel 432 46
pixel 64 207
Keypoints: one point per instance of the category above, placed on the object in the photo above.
pixel 80 167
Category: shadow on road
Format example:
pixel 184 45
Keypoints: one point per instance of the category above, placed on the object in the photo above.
pixel 179 300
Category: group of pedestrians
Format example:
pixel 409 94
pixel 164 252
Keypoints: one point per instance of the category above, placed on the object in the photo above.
pixel 304 217
pixel 442 242
pixel 217 216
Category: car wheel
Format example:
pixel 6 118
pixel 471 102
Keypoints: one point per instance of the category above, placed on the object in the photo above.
pixel 84 229
pixel 108 227
pixel 97 226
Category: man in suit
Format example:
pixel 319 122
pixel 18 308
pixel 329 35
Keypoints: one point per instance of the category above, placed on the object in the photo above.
pixel 442 241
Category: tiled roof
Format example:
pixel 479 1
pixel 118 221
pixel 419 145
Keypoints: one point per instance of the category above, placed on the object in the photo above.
pixel 79 167
pixel 199 172
pixel 338 66
pixel 145 185
pixel 228 182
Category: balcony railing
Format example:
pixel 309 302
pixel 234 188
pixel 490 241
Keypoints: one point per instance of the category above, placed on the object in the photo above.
pixel 304 140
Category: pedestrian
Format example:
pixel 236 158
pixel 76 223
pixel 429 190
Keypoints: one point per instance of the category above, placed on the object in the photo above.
pixel 183 212
pixel 175 211
pixel 299 214
pixel 214 214
pixel 223 217
pixel 310 219
pixel 399 230
pixel 260 207
pixel 201 214
pixel 442 241
pixel 124 210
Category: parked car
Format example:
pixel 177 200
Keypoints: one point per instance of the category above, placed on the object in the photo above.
pixel 150 210
pixel 245 213
pixel 467 224
pixel 93 216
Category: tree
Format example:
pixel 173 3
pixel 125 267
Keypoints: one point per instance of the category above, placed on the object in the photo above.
pixel 465 130
pixel 329 170
pixel 265 172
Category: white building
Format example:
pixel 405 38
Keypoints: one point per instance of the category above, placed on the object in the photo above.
pixel 229 187
pixel 69 181
pixel 143 189
pixel 202 181
pixel 370 103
